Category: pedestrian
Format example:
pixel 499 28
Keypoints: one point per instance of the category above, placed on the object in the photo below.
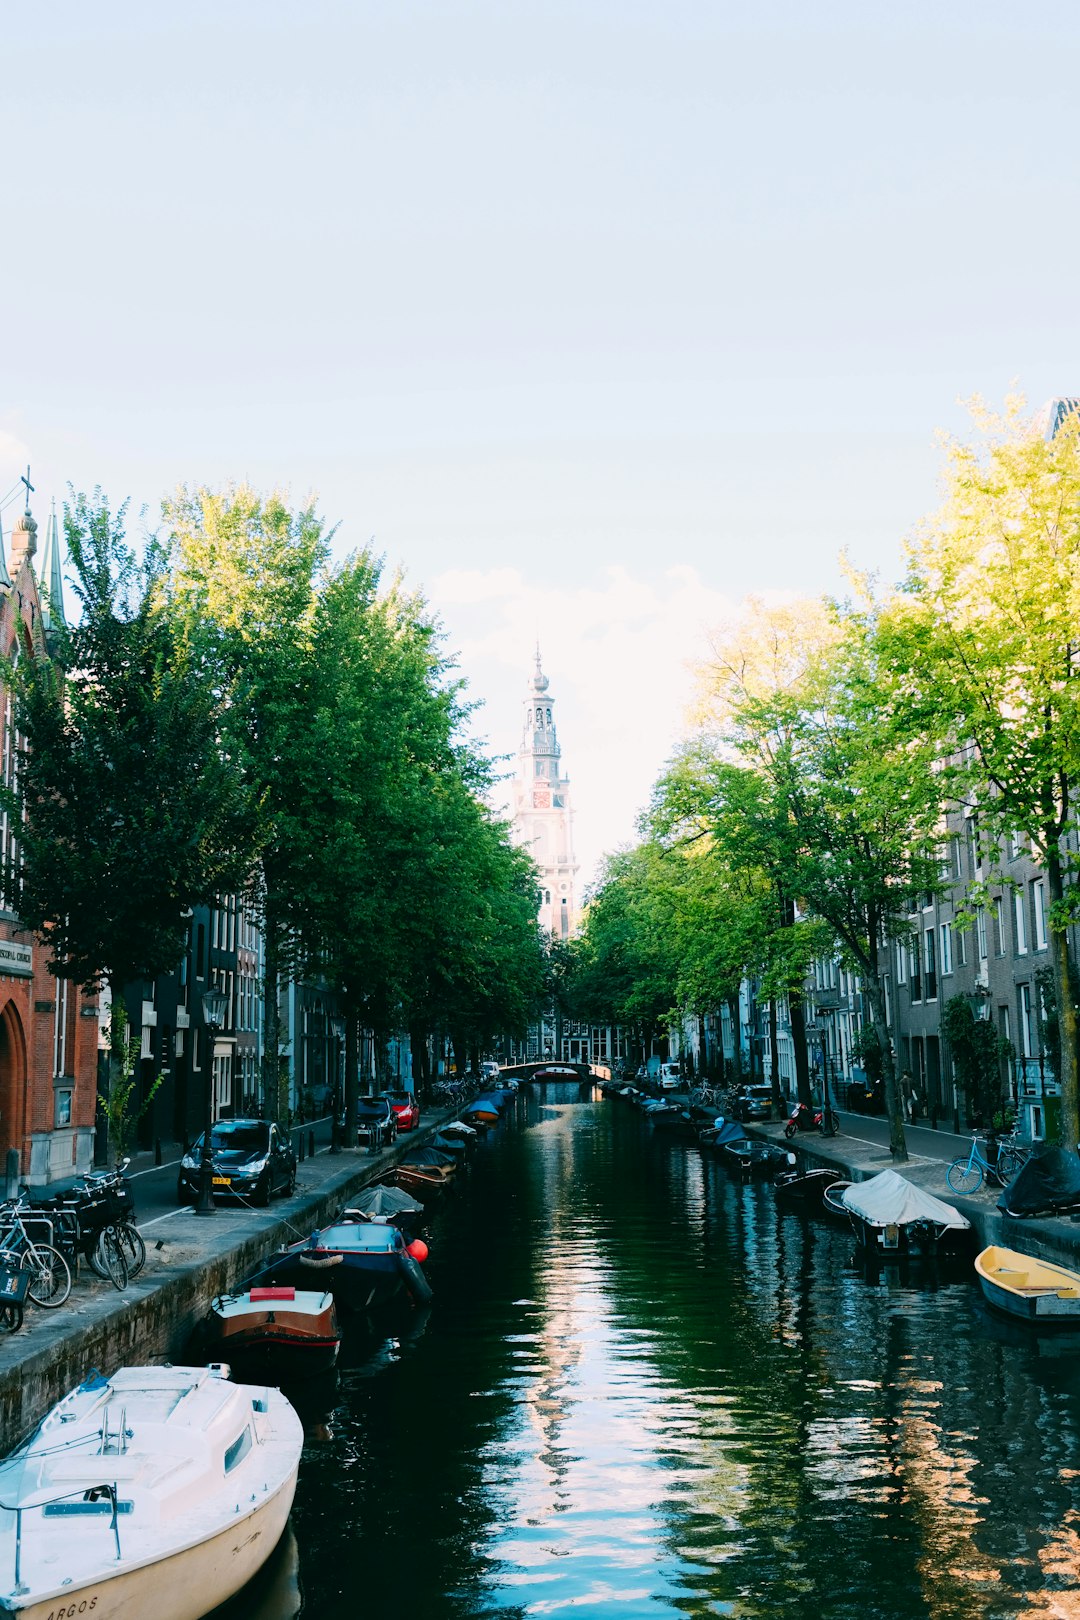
pixel 907 1095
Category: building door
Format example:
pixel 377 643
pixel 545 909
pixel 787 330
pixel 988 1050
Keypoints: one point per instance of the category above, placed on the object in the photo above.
pixel 12 1084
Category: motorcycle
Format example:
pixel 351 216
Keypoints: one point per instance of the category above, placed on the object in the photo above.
pixel 804 1118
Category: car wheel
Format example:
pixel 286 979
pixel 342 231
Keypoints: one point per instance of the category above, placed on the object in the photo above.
pixel 290 1185
pixel 261 1196
pixel 182 1194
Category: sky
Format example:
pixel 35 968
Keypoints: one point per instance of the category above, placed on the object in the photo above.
pixel 594 317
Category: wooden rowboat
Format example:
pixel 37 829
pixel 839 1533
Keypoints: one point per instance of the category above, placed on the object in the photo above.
pixel 1034 1290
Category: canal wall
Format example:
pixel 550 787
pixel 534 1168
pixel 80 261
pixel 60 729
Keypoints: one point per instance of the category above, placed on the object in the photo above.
pixel 154 1319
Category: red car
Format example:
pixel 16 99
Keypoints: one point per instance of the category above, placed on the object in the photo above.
pixel 406 1109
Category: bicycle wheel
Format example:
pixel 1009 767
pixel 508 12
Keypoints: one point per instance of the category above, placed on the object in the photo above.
pixel 1010 1161
pixel 830 1124
pixel 50 1282
pixel 134 1249
pixel 963 1176
pixel 112 1257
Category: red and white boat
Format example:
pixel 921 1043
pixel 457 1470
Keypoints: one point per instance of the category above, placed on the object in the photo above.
pixel 282 1332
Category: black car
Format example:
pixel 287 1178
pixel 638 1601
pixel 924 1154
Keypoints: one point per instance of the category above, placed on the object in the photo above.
pixel 376 1121
pixel 251 1160
pixel 753 1102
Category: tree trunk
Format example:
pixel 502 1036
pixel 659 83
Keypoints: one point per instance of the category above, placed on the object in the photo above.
pixel 774 1054
pixel 736 1037
pixel 352 1021
pixel 421 1066
pixel 893 1102
pixel 1067 1023
pixel 271 1059
pixel 797 1010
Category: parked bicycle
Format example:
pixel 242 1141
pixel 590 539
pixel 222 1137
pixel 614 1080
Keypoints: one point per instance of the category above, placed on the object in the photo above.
pixel 96 1222
pixel 50 1275
pixel 999 1164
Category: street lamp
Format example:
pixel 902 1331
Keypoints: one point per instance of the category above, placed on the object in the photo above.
pixel 337 1024
pixel 214 1003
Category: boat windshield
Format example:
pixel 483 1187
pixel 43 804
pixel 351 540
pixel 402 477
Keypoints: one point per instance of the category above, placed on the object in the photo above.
pixel 360 1235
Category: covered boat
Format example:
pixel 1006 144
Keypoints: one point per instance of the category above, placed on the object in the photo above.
pixel 720 1133
pixel 363 1263
pixel 1048 1183
pixel 275 1330
pixel 892 1216
pixel 1034 1290
pixel 159 1491
pixel 383 1203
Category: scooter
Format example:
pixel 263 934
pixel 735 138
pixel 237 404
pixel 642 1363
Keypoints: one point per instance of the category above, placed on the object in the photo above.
pixel 804 1118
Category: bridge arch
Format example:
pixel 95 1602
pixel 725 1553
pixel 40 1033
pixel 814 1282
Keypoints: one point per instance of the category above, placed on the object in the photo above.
pixel 12 1079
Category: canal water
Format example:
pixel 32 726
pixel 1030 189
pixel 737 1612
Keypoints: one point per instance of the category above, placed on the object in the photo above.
pixel 643 1390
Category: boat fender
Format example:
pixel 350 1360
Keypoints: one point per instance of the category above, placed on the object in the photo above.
pixel 417 1248
pixel 416 1284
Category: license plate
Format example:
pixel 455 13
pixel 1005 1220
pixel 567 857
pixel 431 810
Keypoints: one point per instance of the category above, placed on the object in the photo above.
pixel 222 1181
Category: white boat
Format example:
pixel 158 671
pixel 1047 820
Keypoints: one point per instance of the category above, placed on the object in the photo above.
pixel 892 1216
pixel 157 1493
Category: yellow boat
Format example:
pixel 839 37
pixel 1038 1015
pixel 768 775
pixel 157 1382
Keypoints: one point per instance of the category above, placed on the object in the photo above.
pixel 1033 1290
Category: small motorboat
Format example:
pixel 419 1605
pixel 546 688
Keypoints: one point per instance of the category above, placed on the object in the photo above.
pixel 832 1203
pixel 746 1158
pixel 893 1217
pixel 363 1263
pixel 159 1491
pixel 429 1158
pixel 458 1147
pixel 805 1189
pixel 1033 1290
pixel 275 1330
pixel 484 1109
pixel 717 1135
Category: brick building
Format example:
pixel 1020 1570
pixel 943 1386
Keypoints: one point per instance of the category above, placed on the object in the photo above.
pixel 48 1027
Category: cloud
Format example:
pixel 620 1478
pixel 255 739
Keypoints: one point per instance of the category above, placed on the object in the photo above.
pixel 618 649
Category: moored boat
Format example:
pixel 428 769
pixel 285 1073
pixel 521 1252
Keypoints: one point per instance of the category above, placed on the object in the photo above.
pixel 278 1330
pixel 806 1189
pixel 159 1491
pixel 385 1203
pixel 363 1263
pixel 892 1217
pixel 1033 1290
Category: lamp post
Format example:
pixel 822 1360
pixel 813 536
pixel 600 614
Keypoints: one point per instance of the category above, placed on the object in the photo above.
pixel 337 1024
pixel 213 1016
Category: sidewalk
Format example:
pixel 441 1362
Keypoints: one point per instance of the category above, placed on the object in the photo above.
pixel 1055 1237
pixel 190 1259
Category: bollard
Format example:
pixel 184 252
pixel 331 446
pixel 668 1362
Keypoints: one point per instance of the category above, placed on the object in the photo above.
pixel 157 1150
pixel 12 1173
pixel 300 1146
pixel 311 1144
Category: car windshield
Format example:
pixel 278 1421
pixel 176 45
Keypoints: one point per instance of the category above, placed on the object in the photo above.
pixel 253 1138
pixel 400 1099
pixel 371 1107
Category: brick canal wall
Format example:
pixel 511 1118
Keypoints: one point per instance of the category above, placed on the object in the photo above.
pixel 154 1319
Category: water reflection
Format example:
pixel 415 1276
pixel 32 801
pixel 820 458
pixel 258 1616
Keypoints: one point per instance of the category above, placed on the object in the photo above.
pixel 643 1389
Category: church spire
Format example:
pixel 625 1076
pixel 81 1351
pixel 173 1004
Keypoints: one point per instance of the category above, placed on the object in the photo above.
pixel 52 606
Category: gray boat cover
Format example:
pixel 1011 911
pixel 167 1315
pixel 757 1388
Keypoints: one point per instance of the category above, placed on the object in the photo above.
pixel 1050 1180
pixel 888 1200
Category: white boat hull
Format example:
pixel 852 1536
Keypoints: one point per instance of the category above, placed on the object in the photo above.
pixel 184 1586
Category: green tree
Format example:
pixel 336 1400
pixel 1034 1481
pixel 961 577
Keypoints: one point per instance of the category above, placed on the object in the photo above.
pixel 977 1050
pixel 984 655
pixel 861 797
pixel 242 600
pixel 130 811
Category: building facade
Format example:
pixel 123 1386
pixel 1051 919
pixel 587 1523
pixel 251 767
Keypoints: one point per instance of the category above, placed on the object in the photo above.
pixel 48 1026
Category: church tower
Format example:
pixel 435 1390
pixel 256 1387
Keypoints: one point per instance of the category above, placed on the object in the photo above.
pixel 542 817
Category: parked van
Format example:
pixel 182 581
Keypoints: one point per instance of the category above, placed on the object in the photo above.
pixel 669 1078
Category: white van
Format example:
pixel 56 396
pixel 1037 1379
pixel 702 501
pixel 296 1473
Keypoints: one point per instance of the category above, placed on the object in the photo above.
pixel 669 1078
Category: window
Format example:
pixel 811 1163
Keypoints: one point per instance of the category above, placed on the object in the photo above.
pixel 929 965
pixel 961 948
pixel 946 948
pixel 957 857
pixel 901 962
pixel 239 1449
pixel 913 969
pixel 1038 902
pixel 1020 921
pixel 1027 1033
pixel 980 934
pixel 63 1108
pixel 999 926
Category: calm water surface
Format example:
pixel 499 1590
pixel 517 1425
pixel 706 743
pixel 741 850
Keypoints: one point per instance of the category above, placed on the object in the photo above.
pixel 642 1390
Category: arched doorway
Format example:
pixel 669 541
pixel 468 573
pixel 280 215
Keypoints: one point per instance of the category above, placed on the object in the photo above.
pixel 12 1081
